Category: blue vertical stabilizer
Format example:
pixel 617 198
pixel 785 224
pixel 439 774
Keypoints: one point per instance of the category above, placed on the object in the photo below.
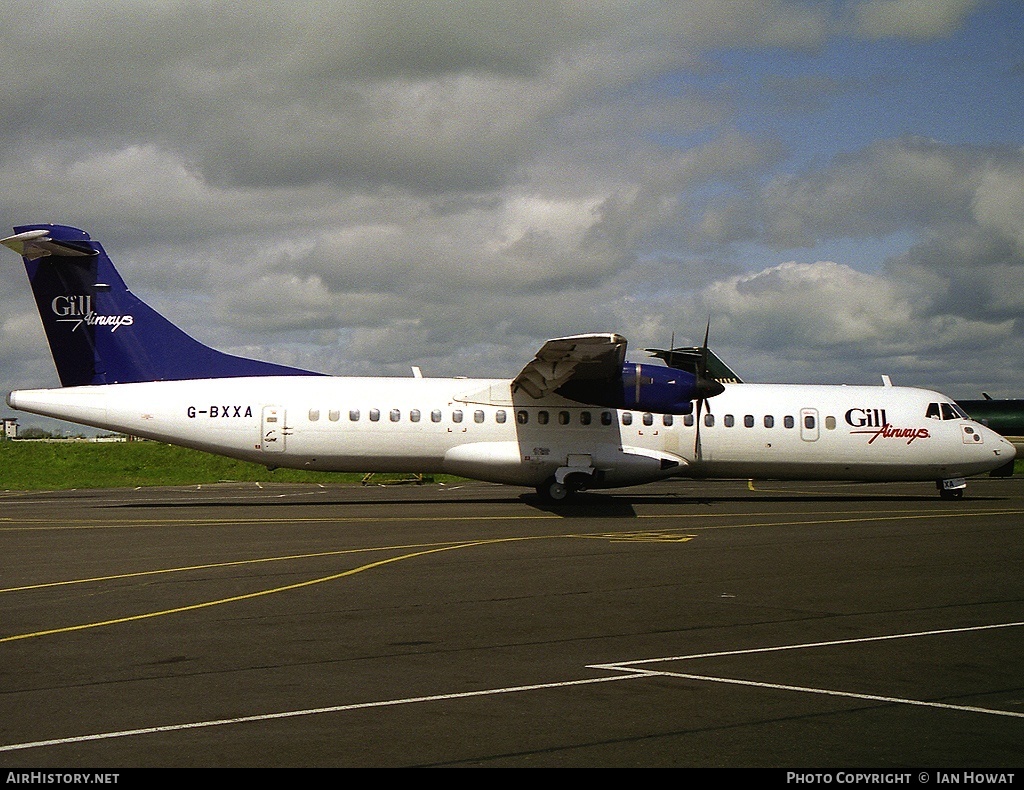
pixel 101 333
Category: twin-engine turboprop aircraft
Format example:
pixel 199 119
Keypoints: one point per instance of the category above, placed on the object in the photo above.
pixel 577 416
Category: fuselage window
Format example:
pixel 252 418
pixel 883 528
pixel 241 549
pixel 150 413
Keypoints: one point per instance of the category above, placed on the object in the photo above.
pixel 769 421
pixel 648 418
pixel 709 420
pixel 543 417
pixel 607 418
pixel 457 415
pixel 563 418
pixel 500 416
pixel 395 415
pixel 688 420
pixel 748 421
pixel 830 423
pixel 585 418
pixel 353 415
pixel 478 416
pixel 435 415
pixel 414 415
pixel 788 421
pixel 374 415
pixel 314 415
pixel 334 415
pixel 809 421
pixel 627 418
pixel 667 419
pixel 728 421
pixel 522 416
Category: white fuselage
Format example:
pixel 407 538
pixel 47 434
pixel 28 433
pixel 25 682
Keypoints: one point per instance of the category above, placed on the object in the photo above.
pixel 475 428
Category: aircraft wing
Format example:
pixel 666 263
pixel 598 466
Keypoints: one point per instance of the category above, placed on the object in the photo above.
pixel 597 358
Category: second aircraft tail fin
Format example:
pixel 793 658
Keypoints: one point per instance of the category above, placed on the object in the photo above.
pixel 689 358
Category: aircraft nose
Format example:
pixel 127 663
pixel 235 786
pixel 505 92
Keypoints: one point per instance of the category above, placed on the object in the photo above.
pixel 1003 450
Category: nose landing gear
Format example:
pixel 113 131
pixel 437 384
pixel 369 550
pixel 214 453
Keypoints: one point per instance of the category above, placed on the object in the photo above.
pixel 951 488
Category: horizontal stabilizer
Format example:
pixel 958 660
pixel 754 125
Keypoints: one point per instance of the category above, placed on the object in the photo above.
pixel 35 244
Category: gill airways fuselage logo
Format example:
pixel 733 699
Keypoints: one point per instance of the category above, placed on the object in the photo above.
pixel 875 423
pixel 77 310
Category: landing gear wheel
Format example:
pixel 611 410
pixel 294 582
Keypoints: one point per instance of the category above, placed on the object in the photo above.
pixel 553 491
pixel 952 493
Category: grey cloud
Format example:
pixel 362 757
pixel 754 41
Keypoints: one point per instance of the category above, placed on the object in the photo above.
pixel 889 186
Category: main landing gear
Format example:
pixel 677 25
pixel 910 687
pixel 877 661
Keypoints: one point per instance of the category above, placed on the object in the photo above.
pixel 554 492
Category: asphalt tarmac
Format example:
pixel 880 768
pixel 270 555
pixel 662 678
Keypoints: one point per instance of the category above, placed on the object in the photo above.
pixel 732 624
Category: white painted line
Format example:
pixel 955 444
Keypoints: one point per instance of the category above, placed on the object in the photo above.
pixel 834 693
pixel 622 665
pixel 311 712
pixel 630 668
pixel 634 666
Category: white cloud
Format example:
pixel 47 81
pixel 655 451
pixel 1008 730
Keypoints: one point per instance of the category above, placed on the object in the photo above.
pixel 999 202
pixel 820 320
pixel 914 19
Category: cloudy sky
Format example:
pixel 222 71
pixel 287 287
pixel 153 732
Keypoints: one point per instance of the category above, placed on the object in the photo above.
pixel 360 186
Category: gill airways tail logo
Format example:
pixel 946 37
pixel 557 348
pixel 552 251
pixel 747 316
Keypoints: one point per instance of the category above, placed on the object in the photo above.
pixel 78 310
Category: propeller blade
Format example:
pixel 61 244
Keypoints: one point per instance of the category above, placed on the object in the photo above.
pixel 696 436
pixel 704 388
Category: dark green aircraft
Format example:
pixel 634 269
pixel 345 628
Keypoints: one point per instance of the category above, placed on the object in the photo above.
pixel 698 360
pixel 1005 417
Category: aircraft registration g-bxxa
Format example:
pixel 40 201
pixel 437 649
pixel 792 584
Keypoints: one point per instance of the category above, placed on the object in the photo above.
pixel 578 416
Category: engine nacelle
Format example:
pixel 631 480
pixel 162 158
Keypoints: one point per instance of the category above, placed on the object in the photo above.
pixel 650 388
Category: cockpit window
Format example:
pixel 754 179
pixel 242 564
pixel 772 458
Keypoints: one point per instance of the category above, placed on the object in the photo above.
pixel 945 411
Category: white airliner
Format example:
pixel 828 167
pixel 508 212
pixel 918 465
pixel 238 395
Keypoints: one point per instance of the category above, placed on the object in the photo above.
pixel 578 416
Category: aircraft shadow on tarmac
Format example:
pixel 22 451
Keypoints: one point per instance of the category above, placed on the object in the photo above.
pixel 611 506
pixel 583 505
